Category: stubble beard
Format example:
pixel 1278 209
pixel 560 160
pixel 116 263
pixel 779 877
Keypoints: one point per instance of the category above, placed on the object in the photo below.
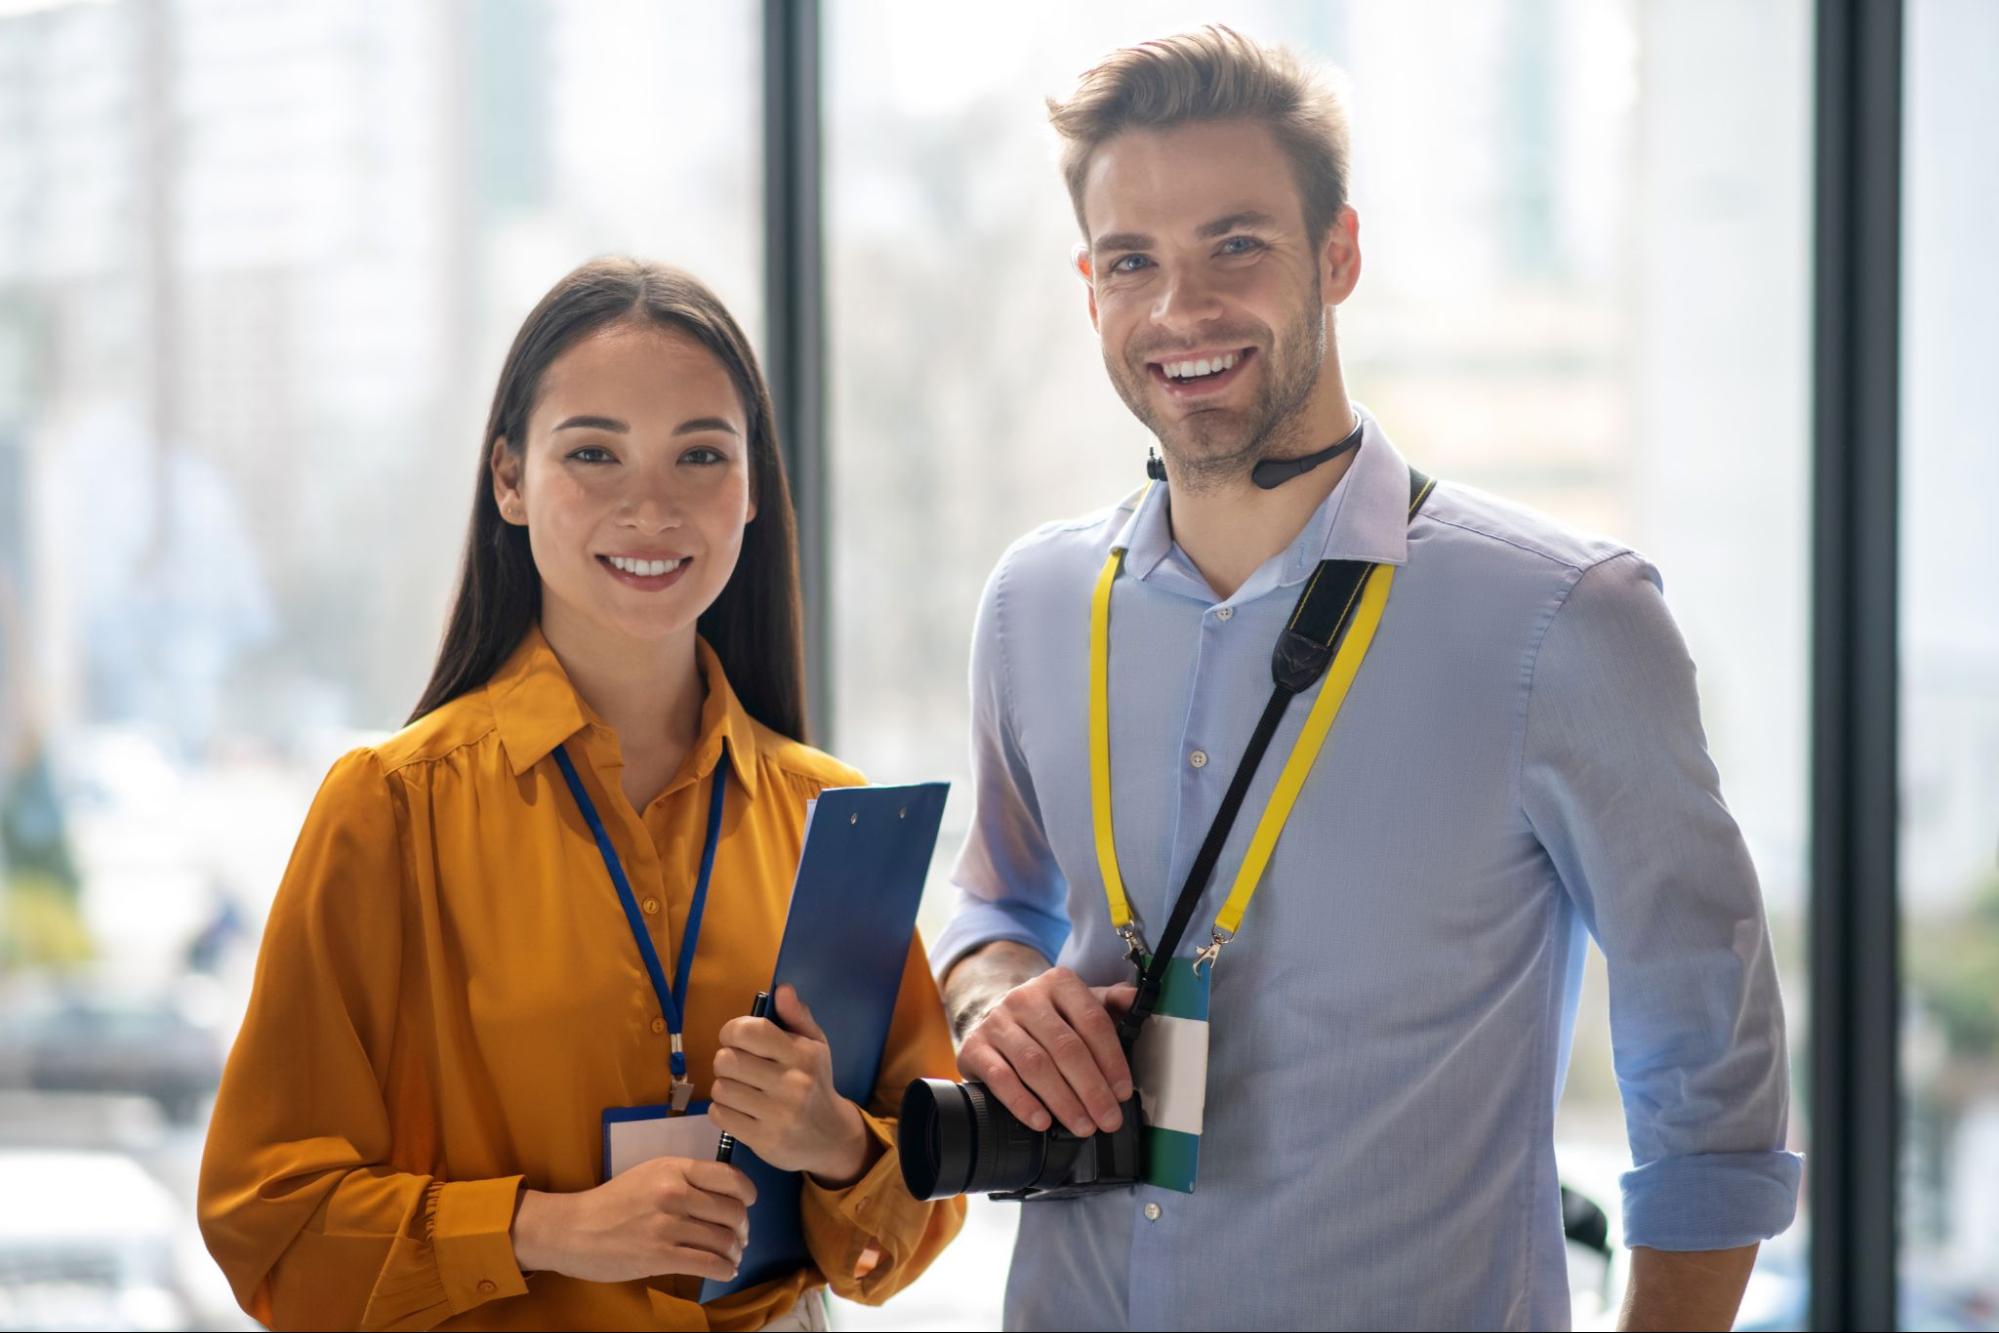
pixel 1215 449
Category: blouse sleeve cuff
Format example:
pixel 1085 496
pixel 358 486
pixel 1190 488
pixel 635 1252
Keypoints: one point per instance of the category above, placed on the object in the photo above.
pixel 878 1210
pixel 471 1230
pixel 461 1256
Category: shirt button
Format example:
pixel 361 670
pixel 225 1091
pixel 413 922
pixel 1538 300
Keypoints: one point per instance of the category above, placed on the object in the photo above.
pixel 659 1025
pixel 651 905
pixel 487 1286
pixel 1199 759
pixel 1152 1212
pixel 1225 613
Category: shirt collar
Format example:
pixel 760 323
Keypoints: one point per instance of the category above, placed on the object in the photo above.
pixel 1366 517
pixel 537 709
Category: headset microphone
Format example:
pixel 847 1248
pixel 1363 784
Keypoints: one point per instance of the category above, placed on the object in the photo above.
pixel 1274 472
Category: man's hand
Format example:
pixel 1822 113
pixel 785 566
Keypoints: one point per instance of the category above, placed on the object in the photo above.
pixel 1673 1289
pixel 1039 1038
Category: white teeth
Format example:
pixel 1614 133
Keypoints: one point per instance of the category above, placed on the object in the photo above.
pixel 647 568
pixel 1180 370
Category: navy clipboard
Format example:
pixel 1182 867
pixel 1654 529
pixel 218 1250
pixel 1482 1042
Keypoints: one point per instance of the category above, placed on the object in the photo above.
pixel 846 942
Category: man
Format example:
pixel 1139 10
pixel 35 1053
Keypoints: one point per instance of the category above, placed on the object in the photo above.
pixel 1518 759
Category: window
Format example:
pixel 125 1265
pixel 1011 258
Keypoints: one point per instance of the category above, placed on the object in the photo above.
pixel 1950 670
pixel 259 264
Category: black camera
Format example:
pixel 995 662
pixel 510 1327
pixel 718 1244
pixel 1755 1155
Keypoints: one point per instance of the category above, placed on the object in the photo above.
pixel 957 1138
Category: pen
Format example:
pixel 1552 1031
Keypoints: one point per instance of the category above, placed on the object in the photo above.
pixel 759 1008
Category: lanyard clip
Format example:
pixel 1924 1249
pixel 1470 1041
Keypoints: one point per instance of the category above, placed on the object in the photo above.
pixel 683 1092
pixel 1134 945
pixel 1206 958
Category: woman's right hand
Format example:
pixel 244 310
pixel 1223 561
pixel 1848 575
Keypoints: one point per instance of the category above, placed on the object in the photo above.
pixel 668 1215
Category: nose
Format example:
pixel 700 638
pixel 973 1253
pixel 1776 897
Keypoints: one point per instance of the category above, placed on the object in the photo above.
pixel 652 502
pixel 1185 303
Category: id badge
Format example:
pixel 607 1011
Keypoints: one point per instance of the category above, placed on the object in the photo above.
pixel 635 1134
pixel 1170 1060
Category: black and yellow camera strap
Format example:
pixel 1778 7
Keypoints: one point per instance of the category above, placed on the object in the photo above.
pixel 1333 626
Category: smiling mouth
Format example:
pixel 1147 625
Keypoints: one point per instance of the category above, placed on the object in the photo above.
pixel 1193 377
pixel 650 575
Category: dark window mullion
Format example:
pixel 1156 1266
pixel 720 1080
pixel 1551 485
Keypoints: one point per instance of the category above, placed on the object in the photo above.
pixel 1855 700
pixel 794 312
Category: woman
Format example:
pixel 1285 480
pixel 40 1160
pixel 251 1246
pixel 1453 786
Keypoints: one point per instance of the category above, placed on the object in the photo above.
pixel 451 994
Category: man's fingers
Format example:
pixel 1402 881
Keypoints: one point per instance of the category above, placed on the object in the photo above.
pixel 1043 1075
pixel 1085 1012
pixel 1076 1064
pixel 1116 998
pixel 985 1064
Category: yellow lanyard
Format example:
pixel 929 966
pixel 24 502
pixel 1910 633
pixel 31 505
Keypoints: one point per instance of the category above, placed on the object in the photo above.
pixel 1373 597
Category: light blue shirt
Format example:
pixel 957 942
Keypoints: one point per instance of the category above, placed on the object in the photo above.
pixel 1520 760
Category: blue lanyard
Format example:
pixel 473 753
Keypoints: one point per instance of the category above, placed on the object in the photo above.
pixel 672 999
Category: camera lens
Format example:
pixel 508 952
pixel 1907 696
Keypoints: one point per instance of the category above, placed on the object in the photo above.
pixel 935 1139
pixel 957 1138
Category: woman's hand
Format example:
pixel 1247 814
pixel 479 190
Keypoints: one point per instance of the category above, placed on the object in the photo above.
pixel 668 1215
pixel 774 1091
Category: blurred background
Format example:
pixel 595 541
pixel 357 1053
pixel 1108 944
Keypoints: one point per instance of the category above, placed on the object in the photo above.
pixel 259 261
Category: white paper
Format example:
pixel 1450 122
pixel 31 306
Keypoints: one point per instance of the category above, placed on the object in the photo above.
pixel 636 1141
pixel 1171 1060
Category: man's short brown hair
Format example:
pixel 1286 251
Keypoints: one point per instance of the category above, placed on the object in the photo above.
pixel 1212 73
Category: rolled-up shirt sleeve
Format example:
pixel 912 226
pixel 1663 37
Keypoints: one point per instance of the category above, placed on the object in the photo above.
pixel 1009 885
pixel 1617 784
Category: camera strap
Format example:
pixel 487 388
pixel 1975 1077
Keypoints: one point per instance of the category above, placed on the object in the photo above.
pixel 1332 626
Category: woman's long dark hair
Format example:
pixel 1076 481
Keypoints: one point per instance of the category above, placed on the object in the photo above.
pixel 754 625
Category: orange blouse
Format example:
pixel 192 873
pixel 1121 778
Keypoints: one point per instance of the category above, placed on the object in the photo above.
pixel 448 997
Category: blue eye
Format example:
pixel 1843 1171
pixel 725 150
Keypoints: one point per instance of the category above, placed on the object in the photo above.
pixel 1129 264
pixel 1241 245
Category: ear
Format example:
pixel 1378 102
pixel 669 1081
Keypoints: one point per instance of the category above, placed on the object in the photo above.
pixel 505 465
pixel 1339 257
pixel 1079 259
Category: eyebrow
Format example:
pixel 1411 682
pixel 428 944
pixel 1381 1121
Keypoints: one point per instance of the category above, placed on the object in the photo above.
pixel 700 424
pixel 612 424
pixel 1207 231
pixel 1122 240
pixel 1222 226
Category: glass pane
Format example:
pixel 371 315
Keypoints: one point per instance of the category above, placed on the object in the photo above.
pixel 1587 238
pixel 1950 670
pixel 259 264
